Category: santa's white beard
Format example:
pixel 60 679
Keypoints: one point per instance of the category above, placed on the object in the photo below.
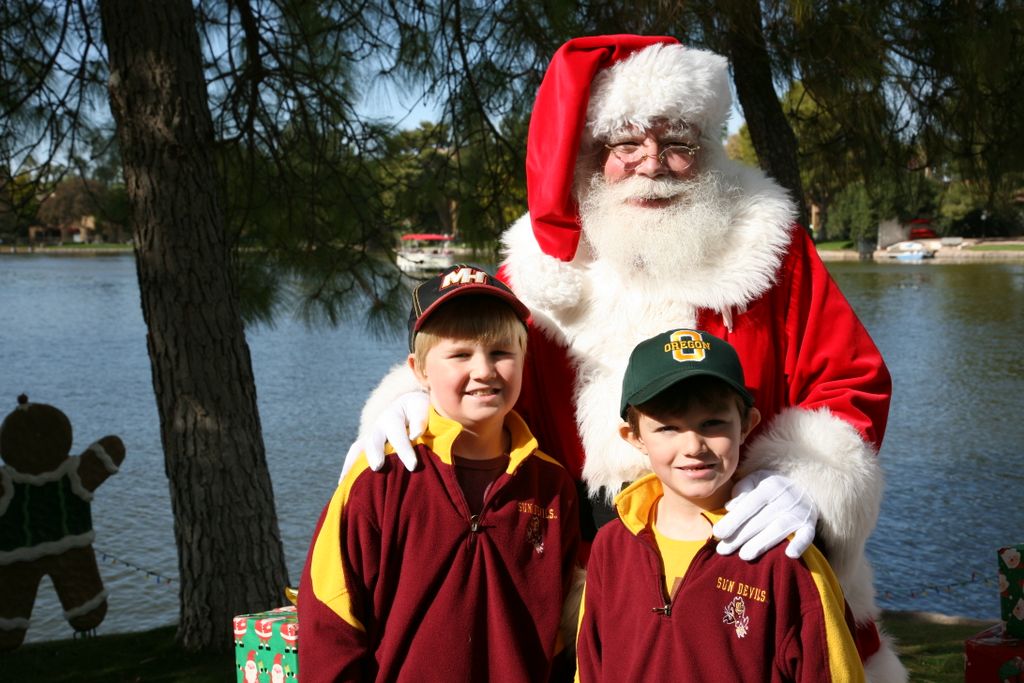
pixel 657 241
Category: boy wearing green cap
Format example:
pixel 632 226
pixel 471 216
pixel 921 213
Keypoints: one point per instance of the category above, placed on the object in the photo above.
pixel 659 602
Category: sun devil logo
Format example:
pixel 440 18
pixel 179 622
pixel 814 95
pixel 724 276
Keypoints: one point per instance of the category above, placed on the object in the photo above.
pixel 535 525
pixel 464 276
pixel 736 614
pixel 687 346
pixel 534 535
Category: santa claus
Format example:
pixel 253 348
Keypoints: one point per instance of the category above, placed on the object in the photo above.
pixel 277 670
pixel 251 672
pixel 639 223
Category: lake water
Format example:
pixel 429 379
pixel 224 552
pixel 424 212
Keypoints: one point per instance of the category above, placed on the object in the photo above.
pixel 71 334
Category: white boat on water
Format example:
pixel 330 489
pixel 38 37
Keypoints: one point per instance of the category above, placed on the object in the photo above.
pixel 909 250
pixel 424 253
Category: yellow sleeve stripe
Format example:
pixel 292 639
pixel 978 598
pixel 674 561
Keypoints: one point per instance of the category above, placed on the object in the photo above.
pixel 326 570
pixel 843 659
pixel 547 458
pixel 579 627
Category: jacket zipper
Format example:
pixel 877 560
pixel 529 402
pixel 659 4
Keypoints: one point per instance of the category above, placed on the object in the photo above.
pixel 666 608
pixel 648 542
pixel 476 523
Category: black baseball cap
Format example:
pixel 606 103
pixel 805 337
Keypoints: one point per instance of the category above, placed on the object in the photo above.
pixel 458 280
pixel 662 361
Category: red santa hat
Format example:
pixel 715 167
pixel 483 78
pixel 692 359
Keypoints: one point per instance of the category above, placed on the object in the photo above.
pixel 595 86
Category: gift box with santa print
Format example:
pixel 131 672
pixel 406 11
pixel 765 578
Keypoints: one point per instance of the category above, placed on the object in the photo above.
pixel 1011 589
pixel 266 646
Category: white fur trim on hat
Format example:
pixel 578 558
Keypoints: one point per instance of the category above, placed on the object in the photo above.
pixel 670 82
pixel 544 283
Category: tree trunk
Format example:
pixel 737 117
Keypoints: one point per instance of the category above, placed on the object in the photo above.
pixel 229 547
pixel 770 132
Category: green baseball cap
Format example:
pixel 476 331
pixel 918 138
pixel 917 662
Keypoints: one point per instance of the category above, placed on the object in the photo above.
pixel 659 362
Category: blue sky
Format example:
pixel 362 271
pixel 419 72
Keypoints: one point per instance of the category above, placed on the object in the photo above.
pixel 384 102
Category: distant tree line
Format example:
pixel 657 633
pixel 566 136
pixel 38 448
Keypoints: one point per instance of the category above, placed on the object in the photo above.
pixel 885 112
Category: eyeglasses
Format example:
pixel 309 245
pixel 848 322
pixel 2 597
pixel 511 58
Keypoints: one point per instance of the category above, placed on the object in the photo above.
pixel 632 154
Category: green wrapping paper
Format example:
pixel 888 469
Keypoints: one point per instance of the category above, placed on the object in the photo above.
pixel 267 645
pixel 1011 589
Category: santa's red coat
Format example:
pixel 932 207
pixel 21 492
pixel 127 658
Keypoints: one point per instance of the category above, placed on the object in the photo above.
pixel 800 343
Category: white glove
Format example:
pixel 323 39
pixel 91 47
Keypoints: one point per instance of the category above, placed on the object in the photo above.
pixel 765 509
pixel 408 411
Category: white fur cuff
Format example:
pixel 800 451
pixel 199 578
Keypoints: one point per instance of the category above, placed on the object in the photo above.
pixel 399 380
pixel 828 458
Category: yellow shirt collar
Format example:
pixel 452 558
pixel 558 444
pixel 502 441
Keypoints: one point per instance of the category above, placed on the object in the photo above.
pixel 442 432
pixel 635 502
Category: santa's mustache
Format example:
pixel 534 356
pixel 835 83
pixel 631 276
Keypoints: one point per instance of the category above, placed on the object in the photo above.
pixel 639 187
pixel 688 228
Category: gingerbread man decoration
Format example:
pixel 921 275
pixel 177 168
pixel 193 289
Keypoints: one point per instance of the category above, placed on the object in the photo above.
pixel 46 519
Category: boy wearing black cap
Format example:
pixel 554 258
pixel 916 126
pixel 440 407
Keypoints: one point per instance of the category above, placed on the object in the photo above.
pixel 459 569
pixel 659 602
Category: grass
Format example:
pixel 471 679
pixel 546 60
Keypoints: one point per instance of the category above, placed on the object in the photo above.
pixel 837 245
pixel 122 658
pixel 931 648
pixel 996 247
pixel 94 246
pixel 66 248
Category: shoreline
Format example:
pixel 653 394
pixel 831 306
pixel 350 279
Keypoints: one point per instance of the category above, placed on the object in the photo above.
pixel 936 618
pixel 22 250
pixel 959 252
pixel 945 255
